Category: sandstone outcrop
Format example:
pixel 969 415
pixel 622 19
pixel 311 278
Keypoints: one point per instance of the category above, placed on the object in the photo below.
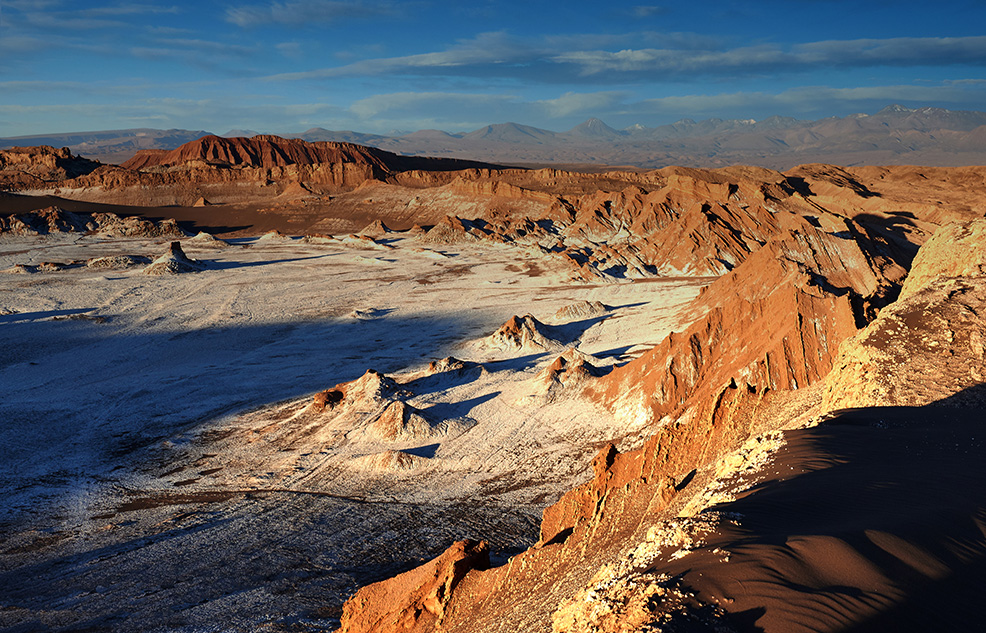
pixel 568 370
pixel 416 600
pixel 930 344
pixel 37 167
pixel 375 229
pixel 174 262
pixel 668 222
pixel 215 170
pixel 450 230
pixel 118 261
pixel 390 460
pixel 207 240
pixel 54 220
pixel 267 152
pixel 688 222
pixel 955 250
pixel 274 236
pixel 901 415
pixel 581 310
pixel 399 420
pixel 522 334
pixel 920 350
pixel 773 323
pixel 374 408
pixel 46 221
pixel 447 364
pixel 264 152
pixel 370 389
pixel 43 267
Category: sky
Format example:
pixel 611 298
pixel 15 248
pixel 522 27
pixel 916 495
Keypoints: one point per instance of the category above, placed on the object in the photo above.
pixel 382 66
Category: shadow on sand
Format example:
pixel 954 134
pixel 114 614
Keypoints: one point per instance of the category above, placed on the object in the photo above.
pixel 875 520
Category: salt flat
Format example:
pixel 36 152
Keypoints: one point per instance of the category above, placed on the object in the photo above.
pixel 133 407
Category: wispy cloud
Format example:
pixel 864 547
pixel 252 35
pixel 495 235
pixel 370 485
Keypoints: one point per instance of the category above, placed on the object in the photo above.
pixel 499 54
pixel 965 82
pixel 301 12
pixel 67 21
pixel 291 50
pixel 808 99
pixel 10 87
pixel 20 44
pixel 647 10
pixel 184 47
pixel 130 8
pixel 31 5
pixel 405 102
pixel 908 51
pixel 485 49
pixel 861 53
pixel 572 103
pixel 53 25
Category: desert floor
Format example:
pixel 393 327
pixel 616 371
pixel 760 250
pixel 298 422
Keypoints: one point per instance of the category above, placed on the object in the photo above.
pixel 158 475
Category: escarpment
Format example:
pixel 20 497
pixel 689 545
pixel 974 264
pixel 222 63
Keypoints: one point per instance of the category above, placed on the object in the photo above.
pixel 269 152
pixel 773 323
pixel 803 280
pixel 223 170
pixel 35 167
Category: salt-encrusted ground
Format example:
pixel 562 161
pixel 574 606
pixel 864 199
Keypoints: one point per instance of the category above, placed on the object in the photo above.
pixel 141 491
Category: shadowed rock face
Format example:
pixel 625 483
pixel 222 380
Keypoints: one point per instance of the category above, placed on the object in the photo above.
pixel 929 344
pixel 26 167
pixel 773 323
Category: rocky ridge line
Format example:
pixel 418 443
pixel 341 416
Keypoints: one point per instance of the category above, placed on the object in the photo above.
pixel 711 386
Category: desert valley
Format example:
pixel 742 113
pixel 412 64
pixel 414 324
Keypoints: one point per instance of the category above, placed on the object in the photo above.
pixel 275 384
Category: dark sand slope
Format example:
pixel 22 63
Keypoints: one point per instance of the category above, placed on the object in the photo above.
pixel 872 521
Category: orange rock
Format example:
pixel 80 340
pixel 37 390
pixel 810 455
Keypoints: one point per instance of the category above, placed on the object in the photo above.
pixel 773 323
pixel 415 600
pixel 24 167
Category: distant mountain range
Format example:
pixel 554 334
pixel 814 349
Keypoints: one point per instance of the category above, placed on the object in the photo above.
pixel 894 135
pixel 109 146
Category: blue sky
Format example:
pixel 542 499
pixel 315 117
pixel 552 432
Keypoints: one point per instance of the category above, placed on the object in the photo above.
pixel 379 66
